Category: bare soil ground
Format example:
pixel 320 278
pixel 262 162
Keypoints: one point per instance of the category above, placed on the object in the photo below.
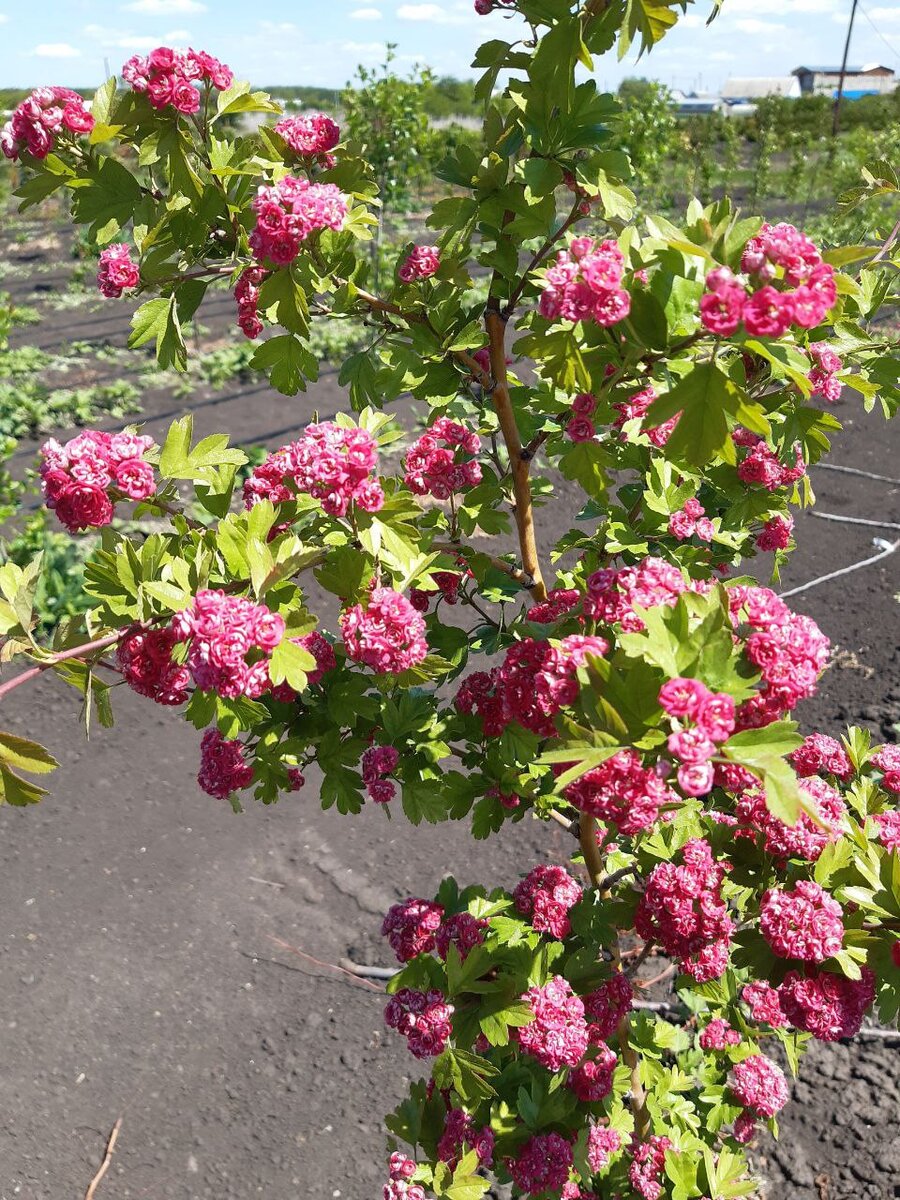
pixel 140 973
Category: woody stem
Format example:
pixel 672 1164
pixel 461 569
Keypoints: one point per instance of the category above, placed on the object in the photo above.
pixel 593 861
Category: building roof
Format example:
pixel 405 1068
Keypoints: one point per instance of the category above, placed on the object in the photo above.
pixel 864 70
pixel 771 85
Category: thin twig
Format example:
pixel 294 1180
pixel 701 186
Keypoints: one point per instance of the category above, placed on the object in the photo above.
pixel 646 950
pixel 107 1160
pixel 62 656
pixel 649 983
pixel 509 569
pixel 611 880
pixel 823 516
pixel 569 826
pixel 325 965
pixel 888 548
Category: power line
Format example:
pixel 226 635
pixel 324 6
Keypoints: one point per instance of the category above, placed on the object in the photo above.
pixel 893 49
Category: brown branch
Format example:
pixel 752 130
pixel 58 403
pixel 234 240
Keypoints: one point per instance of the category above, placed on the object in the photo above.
pixel 891 238
pixel 519 466
pixel 541 255
pixel 64 656
pixel 325 965
pixel 107 1160
pixel 509 569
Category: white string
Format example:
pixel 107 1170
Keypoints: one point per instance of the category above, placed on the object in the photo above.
pixel 886 549
pixel 823 516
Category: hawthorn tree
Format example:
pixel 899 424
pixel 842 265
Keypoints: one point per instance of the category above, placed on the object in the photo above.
pixel 623 682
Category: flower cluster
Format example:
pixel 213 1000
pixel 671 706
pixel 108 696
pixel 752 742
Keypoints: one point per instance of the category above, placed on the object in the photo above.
pixel 603 1143
pixel 82 479
pixel 535 681
pixel 703 720
pixel 889 829
pixel 398 1186
pixel 421 263
pixel 117 271
pixel 246 292
pixel 221 632
pixel 788 649
pixel 558 1035
pixel 717 1034
pixel 437 464
pixel 607 1006
pixel 423 1018
pixel 762 466
pixel 410 927
pixel 448 583
pixel 40 119
pixel 776 533
pixel 821 755
pixel 804 840
pixel 759 1085
pixel 682 908
pixel 830 1007
pixel 167 77
pixel 580 427
pixel 223 768
pixel 803 922
pixel 824 373
pixel 463 931
pixel 289 211
pixel 648 1161
pixel 311 135
pixel 483 7
pixel 613 594
pixel 330 463
pixel 542 1165
pixel 559 603
pixel 545 896
pixel 623 792
pixel 691 521
pixel 459 1134
pixel 592 1080
pixel 387 634
pixel 377 762
pixel 144 656
pixel 764 1004
pixel 635 408
pixel 585 284
pixel 779 253
pixel 887 760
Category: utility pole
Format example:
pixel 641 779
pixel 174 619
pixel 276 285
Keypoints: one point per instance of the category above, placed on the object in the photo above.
pixel 836 114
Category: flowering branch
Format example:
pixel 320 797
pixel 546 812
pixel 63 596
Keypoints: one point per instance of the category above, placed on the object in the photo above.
pixel 75 652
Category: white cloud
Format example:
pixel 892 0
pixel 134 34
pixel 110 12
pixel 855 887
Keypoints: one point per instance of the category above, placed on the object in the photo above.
pixel 723 56
pixel 165 8
pixel 133 43
pixel 751 25
pixel 56 50
pixel 434 14
pixel 3 18
pixel 365 14
pixel 884 14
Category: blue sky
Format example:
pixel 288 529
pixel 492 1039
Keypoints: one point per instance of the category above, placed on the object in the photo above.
pixel 315 42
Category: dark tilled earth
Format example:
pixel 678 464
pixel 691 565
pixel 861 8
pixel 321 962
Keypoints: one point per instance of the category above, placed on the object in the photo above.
pixel 140 968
